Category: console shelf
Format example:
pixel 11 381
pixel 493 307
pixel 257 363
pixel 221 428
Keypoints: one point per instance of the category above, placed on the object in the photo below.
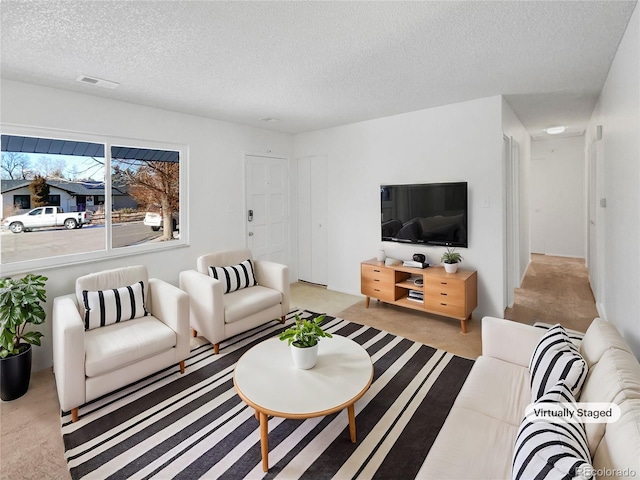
pixel 453 295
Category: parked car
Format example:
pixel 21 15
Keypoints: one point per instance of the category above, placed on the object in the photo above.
pixel 154 220
pixel 43 217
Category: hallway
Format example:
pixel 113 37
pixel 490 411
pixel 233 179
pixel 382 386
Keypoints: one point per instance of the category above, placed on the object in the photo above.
pixel 554 290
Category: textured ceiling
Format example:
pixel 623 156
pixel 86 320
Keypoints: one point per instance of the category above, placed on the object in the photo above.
pixel 314 65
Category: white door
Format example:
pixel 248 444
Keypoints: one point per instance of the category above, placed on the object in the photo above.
pixel 312 220
pixel 267 214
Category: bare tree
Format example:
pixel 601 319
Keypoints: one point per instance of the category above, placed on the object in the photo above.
pixel 39 191
pixel 15 166
pixel 154 183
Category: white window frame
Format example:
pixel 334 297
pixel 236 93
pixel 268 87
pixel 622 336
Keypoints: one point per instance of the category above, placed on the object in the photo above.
pixel 108 252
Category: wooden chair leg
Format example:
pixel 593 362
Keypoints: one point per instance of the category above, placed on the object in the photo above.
pixel 283 318
pixel 74 414
pixel 182 366
pixel 216 348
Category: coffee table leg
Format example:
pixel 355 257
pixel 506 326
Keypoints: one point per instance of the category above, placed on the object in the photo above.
pixel 264 441
pixel 352 422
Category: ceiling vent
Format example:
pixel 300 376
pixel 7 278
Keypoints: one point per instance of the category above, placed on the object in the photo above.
pixel 98 82
pixel 269 119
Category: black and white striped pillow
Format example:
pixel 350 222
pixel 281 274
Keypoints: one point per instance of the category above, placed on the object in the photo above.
pixel 550 448
pixel 106 307
pixel 235 277
pixel 555 359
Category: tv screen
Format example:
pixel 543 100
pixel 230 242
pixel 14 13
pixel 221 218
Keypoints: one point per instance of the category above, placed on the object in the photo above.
pixel 429 213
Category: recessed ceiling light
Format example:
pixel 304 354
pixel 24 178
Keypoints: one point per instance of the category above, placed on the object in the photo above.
pixel 555 130
pixel 98 82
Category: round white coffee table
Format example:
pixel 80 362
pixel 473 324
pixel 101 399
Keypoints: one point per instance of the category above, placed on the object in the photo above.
pixel 266 379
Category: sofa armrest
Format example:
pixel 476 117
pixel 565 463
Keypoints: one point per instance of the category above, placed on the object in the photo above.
pixel 170 305
pixel 276 276
pixel 509 341
pixel 206 309
pixel 68 352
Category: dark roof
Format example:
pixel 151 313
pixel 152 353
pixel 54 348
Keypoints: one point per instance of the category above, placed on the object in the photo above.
pixel 90 187
pixel 17 143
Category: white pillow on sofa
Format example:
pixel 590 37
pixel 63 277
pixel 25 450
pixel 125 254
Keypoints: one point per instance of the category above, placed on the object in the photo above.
pixel 549 447
pixel 556 359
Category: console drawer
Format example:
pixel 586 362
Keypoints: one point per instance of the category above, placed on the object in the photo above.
pixel 443 307
pixel 380 273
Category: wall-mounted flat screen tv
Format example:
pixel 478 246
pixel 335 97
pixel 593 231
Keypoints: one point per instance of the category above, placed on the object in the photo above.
pixel 428 213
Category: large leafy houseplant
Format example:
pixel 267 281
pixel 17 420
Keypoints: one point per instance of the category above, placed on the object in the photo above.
pixel 20 305
pixel 305 333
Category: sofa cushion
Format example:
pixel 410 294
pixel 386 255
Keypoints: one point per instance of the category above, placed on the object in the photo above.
pixel 234 277
pixel 620 445
pixel 106 307
pixel 551 448
pixel 243 303
pixel 556 359
pixel 115 346
pixel 496 389
pixel 600 336
pixel 466 433
pixel 615 378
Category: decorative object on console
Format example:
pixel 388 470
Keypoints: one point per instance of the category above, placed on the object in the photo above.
pixel 451 258
pixel 419 257
pixel 414 264
pixel 20 304
pixel 390 262
pixel 303 338
pixel 381 257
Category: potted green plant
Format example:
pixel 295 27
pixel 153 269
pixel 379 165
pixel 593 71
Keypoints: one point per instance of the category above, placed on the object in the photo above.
pixel 451 259
pixel 303 337
pixel 20 305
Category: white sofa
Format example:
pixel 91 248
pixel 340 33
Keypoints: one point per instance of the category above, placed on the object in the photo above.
pixel 88 364
pixel 217 315
pixel 477 438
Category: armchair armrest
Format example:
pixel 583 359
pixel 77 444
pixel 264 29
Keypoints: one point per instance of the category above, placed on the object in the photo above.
pixel 68 352
pixel 170 305
pixel 508 340
pixel 207 304
pixel 276 276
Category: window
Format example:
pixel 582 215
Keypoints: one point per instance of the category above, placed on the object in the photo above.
pixel 135 207
pixel 22 201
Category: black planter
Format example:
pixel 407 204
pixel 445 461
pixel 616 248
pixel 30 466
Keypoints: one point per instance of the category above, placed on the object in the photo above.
pixel 15 374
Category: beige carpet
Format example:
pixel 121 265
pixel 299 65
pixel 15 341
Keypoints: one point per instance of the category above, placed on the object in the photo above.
pixel 555 289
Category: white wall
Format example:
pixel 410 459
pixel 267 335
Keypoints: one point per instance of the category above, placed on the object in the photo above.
pixel 459 142
pixel 215 184
pixel 618 111
pixel 513 128
pixel 558 203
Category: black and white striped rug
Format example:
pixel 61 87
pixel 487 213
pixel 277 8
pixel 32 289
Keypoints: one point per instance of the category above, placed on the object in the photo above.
pixel 195 425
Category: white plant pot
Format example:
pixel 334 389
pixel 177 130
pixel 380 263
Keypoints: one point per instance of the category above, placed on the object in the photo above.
pixel 450 267
pixel 304 358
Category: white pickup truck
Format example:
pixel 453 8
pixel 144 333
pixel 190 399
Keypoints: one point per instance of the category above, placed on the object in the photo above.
pixel 42 217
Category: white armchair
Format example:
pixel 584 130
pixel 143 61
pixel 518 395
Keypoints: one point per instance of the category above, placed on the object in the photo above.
pixel 90 363
pixel 217 315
